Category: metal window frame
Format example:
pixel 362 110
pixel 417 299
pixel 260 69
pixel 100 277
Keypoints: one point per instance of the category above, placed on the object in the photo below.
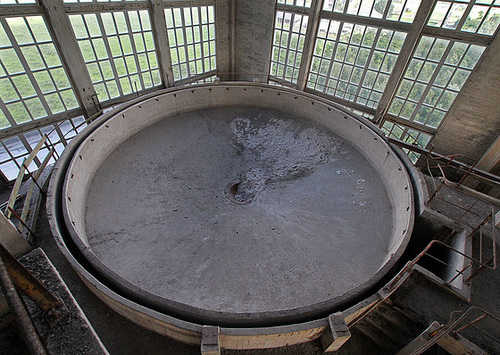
pixel 30 72
pixel 373 49
pixel 184 48
pixel 296 67
pixel 469 6
pixel 430 84
pixel 414 31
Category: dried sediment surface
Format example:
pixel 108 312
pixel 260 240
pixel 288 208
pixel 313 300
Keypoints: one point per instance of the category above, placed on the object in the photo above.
pixel 239 209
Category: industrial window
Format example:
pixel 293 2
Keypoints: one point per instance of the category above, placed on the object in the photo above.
pixel 119 51
pixel 191 37
pixel 33 81
pixel 395 10
pixel 14 150
pixel 288 44
pixel 353 62
pixel 17 2
pixel 300 3
pixel 207 80
pixel 98 1
pixel 479 16
pixel 420 139
pixel 435 75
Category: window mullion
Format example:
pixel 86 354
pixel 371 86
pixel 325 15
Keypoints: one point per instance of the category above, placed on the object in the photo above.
pixel 104 37
pixel 368 60
pixel 186 52
pixel 134 48
pixel 431 80
pixel 465 15
pixel 7 114
pixel 404 59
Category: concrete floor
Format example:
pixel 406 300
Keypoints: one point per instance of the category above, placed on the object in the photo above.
pixel 120 336
pixel 239 210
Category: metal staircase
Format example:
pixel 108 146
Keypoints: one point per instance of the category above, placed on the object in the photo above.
pixel 385 330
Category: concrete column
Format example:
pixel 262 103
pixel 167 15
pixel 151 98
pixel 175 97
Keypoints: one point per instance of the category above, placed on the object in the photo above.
pixel 224 29
pixel 490 161
pixel 60 26
pixel 254 21
pixel 336 333
pixel 307 52
pixel 411 41
pixel 159 27
pixel 210 344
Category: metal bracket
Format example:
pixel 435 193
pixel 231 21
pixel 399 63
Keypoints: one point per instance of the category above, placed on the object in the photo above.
pixel 23 280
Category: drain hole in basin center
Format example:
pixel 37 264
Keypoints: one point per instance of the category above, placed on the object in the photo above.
pixel 237 192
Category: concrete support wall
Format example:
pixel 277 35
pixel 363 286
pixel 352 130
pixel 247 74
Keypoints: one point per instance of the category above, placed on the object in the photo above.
pixel 253 36
pixel 473 122
pixel 224 27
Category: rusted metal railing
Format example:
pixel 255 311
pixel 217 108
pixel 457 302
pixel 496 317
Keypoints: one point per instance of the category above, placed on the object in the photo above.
pixel 467 319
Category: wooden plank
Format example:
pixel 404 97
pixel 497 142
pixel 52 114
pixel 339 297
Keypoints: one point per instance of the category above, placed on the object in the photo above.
pixel 27 201
pixel 10 237
pixel 420 340
pixel 458 345
pixel 24 167
pixel 35 151
pixel 44 163
pixel 26 206
pixel 15 190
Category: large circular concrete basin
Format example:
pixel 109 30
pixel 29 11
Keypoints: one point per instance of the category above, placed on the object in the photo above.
pixel 235 205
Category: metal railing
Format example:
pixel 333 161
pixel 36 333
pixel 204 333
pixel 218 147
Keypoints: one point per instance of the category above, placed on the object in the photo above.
pixel 464 320
pixel 483 261
pixel 409 266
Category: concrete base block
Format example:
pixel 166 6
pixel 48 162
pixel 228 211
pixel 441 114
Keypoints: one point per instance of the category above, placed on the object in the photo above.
pixel 210 344
pixel 336 334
